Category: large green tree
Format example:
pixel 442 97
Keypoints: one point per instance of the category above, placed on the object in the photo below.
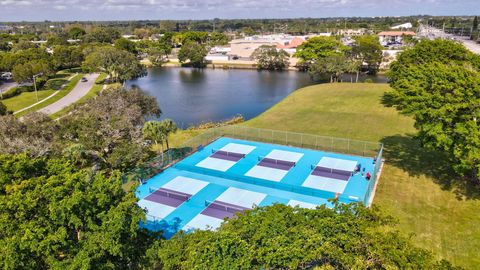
pixel 119 64
pixel 367 48
pixel 437 83
pixel 126 45
pixel 67 57
pixel 349 236
pixel 54 216
pixel 332 67
pixel 108 128
pixel 76 32
pixel 268 57
pixel 193 53
pixel 25 72
pixel 320 47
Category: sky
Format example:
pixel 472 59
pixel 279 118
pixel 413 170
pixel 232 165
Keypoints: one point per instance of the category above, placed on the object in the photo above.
pixel 70 10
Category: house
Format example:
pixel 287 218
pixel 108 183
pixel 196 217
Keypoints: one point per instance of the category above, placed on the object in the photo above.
pixel 393 37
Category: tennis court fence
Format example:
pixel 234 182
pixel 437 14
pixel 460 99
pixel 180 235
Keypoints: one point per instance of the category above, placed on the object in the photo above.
pixel 301 140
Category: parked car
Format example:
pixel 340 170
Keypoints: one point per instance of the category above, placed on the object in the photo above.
pixel 84 79
pixel 6 76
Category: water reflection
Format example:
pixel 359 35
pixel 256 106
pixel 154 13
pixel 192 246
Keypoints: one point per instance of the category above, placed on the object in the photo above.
pixel 191 96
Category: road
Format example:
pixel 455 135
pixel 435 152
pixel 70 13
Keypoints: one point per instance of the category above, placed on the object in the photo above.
pixel 80 90
pixel 5 86
pixel 470 44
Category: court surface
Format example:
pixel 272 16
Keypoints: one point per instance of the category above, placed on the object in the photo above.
pixel 230 176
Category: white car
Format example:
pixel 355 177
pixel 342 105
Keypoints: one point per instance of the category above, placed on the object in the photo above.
pixel 6 76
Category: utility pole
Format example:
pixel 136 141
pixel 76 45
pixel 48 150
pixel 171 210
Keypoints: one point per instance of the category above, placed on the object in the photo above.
pixel 35 84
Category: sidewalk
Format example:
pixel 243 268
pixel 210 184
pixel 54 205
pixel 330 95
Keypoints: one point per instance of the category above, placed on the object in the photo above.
pixel 77 93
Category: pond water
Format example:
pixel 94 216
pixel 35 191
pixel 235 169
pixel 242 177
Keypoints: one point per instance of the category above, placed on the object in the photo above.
pixel 192 96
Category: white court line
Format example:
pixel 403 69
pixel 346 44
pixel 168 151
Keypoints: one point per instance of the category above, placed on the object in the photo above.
pixel 216 164
pixel 338 164
pixel 241 197
pixel 301 204
pixel 238 148
pixel 285 155
pixel 156 210
pixel 267 173
pixel 324 183
pixel 186 185
pixel 203 222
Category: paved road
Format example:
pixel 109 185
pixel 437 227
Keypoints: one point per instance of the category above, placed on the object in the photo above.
pixel 5 86
pixel 471 45
pixel 80 90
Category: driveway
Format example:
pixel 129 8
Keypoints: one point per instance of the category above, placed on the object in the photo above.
pixel 80 90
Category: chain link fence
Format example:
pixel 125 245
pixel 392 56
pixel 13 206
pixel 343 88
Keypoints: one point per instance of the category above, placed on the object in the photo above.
pixel 309 141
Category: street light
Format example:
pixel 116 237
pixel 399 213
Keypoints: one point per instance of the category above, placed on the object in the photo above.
pixel 35 83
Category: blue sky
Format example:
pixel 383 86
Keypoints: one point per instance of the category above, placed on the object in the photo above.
pixel 67 10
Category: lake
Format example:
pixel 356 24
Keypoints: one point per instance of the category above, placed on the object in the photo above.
pixel 192 96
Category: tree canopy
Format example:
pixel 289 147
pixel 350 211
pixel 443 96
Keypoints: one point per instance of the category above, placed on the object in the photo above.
pixel 438 83
pixel 119 64
pixel 320 47
pixel 193 53
pixel 268 57
pixel 367 48
pixel 55 216
pixel 282 237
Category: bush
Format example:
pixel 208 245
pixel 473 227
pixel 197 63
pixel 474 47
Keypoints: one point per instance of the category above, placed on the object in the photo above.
pixel 11 93
pixel 368 80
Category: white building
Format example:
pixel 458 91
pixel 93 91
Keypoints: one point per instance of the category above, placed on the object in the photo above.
pixel 402 26
pixel 389 37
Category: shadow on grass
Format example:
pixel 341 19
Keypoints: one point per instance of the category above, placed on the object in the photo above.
pixel 55 84
pixel 405 152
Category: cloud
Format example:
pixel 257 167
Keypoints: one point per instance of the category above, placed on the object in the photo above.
pixel 195 9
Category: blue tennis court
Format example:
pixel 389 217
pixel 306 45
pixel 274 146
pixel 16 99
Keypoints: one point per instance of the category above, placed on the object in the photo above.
pixel 231 175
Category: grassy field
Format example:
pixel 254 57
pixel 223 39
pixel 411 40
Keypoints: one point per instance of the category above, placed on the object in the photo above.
pixel 63 92
pixel 26 99
pixel 416 186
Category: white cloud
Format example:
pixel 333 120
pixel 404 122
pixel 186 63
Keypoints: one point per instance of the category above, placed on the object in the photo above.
pixel 194 9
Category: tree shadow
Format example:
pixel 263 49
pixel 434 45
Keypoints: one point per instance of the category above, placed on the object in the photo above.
pixel 405 152
pixel 388 100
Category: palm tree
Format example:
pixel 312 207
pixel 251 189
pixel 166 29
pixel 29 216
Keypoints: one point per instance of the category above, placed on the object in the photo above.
pixel 168 127
pixel 353 66
pixel 154 131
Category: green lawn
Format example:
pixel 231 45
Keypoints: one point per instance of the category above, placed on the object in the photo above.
pixel 416 186
pixel 69 87
pixel 25 99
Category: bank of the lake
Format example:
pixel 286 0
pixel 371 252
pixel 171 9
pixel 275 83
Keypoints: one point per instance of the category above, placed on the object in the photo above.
pixel 191 96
